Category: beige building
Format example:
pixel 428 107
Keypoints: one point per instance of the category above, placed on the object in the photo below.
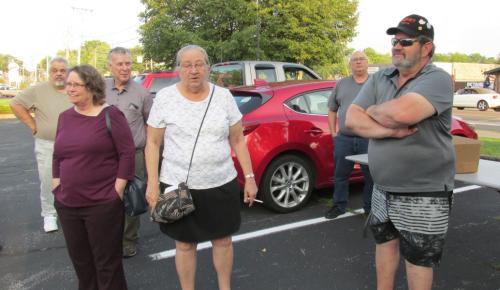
pixel 467 74
pixel 463 74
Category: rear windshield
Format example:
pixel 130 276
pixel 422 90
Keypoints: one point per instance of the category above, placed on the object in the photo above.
pixel 247 104
pixel 230 75
pixel 161 82
pixel 139 79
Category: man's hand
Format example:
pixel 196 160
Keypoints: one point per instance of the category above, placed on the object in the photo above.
pixel 403 132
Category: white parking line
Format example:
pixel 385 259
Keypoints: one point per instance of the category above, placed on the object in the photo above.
pixel 251 235
pixel 483 123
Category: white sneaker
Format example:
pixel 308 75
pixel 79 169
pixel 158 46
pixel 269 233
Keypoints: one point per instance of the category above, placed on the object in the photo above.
pixel 50 224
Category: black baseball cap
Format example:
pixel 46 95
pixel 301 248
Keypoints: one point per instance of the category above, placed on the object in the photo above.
pixel 413 25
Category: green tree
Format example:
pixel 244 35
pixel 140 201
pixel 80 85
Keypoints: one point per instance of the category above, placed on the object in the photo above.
pixel 442 57
pixel 377 58
pixel 313 32
pixel 95 53
pixel 5 59
pixel 136 52
pixel 458 57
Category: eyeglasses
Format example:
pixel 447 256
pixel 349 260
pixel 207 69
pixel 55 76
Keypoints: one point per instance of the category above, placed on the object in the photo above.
pixel 75 85
pixel 404 41
pixel 358 59
pixel 190 66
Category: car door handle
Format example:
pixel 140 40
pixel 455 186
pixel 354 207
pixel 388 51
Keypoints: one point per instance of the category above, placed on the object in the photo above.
pixel 314 131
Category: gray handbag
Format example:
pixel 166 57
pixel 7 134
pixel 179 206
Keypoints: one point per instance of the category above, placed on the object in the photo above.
pixel 177 203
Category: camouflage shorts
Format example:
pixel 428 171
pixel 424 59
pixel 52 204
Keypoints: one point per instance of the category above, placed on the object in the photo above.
pixel 418 220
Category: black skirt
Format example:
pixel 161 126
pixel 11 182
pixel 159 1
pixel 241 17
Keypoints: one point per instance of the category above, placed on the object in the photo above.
pixel 216 215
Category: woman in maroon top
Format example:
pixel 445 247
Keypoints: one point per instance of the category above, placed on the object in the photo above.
pixel 90 170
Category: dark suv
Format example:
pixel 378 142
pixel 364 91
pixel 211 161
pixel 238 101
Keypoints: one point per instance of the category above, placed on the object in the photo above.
pixel 156 81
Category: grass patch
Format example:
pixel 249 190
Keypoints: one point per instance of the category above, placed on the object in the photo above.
pixel 4 106
pixel 490 147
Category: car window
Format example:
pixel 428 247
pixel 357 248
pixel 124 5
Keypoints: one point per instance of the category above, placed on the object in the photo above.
pixel 315 102
pixel 266 73
pixel 247 103
pixel 139 79
pixel 227 75
pixel 162 82
pixel 297 73
pixel 484 91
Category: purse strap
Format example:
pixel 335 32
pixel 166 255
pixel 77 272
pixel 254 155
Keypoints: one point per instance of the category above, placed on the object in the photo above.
pixel 198 135
pixel 108 124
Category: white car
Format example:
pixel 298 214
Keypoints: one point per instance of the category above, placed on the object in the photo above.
pixel 477 98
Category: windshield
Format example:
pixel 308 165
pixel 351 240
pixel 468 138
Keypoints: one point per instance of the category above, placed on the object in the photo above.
pixel 161 82
pixel 227 75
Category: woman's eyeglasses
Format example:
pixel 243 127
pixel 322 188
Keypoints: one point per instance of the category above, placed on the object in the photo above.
pixel 75 85
pixel 189 66
pixel 404 41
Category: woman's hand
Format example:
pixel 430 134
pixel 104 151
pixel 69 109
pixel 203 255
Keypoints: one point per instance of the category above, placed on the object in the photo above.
pixel 55 182
pixel 120 186
pixel 250 191
pixel 152 194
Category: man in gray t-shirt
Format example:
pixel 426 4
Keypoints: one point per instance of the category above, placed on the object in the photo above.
pixel 345 141
pixel 135 103
pixel 406 112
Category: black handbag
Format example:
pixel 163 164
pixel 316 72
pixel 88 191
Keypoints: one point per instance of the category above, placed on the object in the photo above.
pixel 134 195
pixel 177 203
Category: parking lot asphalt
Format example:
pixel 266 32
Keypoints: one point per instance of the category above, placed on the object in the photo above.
pixel 322 255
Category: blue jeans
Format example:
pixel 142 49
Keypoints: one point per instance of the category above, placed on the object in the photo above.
pixel 344 146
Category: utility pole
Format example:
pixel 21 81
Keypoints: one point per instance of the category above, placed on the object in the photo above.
pixel 258 31
pixel 47 67
pixel 80 11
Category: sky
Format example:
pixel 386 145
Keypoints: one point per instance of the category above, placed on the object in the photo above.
pixel 33 29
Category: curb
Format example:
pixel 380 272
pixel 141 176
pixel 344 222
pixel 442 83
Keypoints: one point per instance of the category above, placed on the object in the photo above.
pixel 491 158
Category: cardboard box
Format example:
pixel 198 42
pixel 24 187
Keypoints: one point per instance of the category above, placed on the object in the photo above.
pixel 467 153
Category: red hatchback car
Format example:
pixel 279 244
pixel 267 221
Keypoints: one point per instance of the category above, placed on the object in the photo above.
pixel 156 81
pixel 286 130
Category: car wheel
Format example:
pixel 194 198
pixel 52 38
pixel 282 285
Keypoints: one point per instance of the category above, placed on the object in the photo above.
pixel 460 108
pixel 482 105
pixel 287 183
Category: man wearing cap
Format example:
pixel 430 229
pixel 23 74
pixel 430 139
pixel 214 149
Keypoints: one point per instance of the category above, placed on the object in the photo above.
pixel 406 110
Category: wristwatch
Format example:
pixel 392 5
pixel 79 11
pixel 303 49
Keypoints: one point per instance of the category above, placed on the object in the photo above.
pixel 249 175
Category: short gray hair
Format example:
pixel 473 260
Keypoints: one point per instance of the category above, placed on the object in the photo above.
pixel 118 50
pixel 181 52
pixel 422 39
pixel 59 59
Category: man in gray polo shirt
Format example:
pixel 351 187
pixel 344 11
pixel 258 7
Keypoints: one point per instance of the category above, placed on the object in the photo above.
pixel 406 111
pixel 135 102
pixel 346 142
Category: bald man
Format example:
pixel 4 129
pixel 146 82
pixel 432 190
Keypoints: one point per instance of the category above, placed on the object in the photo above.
pixel 345 141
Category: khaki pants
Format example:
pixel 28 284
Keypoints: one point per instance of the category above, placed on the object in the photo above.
pixel 44 150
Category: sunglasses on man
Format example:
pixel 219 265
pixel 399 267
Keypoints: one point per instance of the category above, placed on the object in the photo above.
pixel 404 41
